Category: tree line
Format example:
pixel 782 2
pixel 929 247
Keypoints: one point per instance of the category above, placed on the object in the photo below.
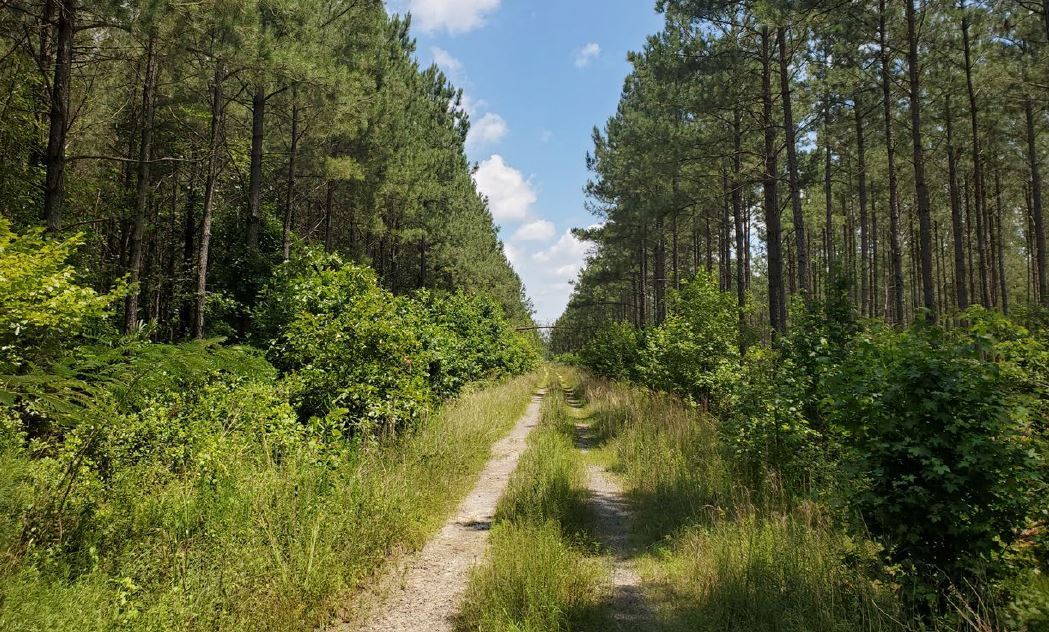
pixel 822 225
pixel 199 145
pixel 898 144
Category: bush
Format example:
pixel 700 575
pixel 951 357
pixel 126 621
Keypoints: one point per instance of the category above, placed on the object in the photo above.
pixel 765 427
pixel 365 359
pixel 692 350
pixel 467 338
pixel 347 345
pixel 942 453
pixel 614 351
pixel 43 308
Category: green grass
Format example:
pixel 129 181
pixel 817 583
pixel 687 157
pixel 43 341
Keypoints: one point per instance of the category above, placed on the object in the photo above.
pixel 542 573
pixel 723 555
pixel 243 541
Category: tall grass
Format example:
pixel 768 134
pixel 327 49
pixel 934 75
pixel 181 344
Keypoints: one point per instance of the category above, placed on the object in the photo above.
pixel 245 541
pixel 729 555
pixel 539 574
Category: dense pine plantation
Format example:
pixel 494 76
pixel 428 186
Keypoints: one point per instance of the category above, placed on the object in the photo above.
pixel 260 340
pixel 821 224
pixel 248 291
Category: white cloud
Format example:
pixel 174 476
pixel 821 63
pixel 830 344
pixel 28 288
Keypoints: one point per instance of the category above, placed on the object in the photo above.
pixel 471 105
pixel 448 63
pixel 545 136
pixel 568 249
pixel 453 16
pixel 491 129
pixel 548 273
pixel 510 195
pixel 587 54
pixel 539 230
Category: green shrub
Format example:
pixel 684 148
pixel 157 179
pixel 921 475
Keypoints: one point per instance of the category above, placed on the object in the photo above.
pixel 43 308
pixel 347 346
pixel 693 350
pixel 943 454
pixel 467 338
pixel 764 426
pixel 614 351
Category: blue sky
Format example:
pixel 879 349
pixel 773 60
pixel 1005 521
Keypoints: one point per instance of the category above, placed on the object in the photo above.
pixel 538 75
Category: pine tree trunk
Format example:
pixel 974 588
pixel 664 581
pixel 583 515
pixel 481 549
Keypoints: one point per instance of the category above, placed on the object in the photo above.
pixel 777 300
pixel 44 61
pixel 674 254
pixel 875 271
pixel 210 182
pixel 145 158
pixel 801 247
pixel 289 201
pixel 828 191
pixel 660 273
pixel 724 250
pixel 742 281
pixel 55 154
pixel 643 259
pixel 895 246
pixel 922 189
pixel 258 121
pixel 861 169
pixel 1036 203
pixel 980 198
pixel 1003 279
pixel 329 217
pixel 189 249
pixel 961 289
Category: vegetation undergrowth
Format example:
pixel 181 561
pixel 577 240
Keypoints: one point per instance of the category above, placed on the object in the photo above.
pixel 912 461
pixel 209 486
pixel 542 573
pixel 722 555
pixel 242 540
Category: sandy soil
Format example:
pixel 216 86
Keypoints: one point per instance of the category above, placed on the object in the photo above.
pixel 613 514
pixel 433 581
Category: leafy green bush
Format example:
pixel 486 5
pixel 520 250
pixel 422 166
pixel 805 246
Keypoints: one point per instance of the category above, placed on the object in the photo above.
pixel 691 351
pixel 347 345
pixel 943 453
pixel 43 308
pixel 467 338
pixel 365 359
pixel 614 351
pixel 765 427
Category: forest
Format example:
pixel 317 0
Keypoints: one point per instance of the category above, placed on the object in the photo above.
pixel 822 224
pixel 248 291
pixel 266 364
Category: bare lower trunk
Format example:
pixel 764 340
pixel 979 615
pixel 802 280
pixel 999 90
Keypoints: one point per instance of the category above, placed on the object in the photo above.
pixel 145 157
pixel 211 178
pixel 861 168
pixel 55 154
pixel 289 202
pixel 1036 203
pixel 800 243
pixel 921 188
pixel 895 246
pixel 1003 280
pixel 961 289
pixel 258 120
pixel 777 300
